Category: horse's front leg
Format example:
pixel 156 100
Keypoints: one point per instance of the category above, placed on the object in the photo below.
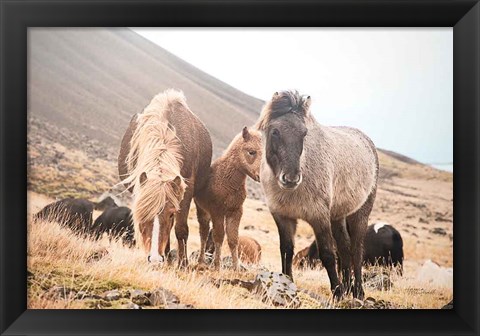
pixel 232 223
pixel 203 222
pixel 342 237
pixel 181 228
pixel 286 230
pixel 167 251
pixel 325 244
pixel 218 221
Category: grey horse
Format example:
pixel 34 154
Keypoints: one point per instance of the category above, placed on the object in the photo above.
pixel 326 176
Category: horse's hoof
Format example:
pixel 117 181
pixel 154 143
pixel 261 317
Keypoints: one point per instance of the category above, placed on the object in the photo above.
pixel 359 294
pixel 338 293
pixel 183 264
pixel 347 289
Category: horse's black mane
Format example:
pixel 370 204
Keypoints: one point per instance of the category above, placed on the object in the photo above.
pixel 287 101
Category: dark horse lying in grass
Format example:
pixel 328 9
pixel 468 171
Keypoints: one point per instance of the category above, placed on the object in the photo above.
pixel 73 213
pixel 383 246
pixel 326 176
pixel 116 222
pixel 77 215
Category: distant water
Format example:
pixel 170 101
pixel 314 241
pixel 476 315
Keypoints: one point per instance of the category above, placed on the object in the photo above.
pixel 444 166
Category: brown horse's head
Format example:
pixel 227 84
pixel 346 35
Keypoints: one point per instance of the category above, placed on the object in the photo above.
pixel 283 123
pixel 157 204
pixel 250 153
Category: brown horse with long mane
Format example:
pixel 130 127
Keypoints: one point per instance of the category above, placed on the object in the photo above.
pixel 326 176
pixel 222 198
pixel 164 159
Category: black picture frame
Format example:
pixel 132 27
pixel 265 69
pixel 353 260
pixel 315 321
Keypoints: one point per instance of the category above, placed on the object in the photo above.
pixel 17 16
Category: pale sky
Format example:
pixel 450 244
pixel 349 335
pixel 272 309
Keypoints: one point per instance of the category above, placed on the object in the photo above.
pixel 395 84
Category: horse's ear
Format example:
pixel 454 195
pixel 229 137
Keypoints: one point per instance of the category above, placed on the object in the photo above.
pixel 143 178
pixel 275 96
pixel 306 104
pixel 245 133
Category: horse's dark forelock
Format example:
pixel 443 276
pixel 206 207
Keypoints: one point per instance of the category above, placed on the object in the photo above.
pixel 283 103
pixel 287 102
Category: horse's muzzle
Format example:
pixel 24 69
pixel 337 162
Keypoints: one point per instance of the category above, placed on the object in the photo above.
pixel 289 181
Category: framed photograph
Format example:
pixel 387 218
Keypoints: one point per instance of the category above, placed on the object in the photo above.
pixel 239 168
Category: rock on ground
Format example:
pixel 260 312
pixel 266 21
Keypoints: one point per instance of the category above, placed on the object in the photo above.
pixel 140 297
pixel 162 297
pixel 112 295
pixel 368 303
pixel 377 278
pixel 276 288
pixel 435 275
pixel 227 262
pixel 59 292
pixel 271 287
pixel 131 305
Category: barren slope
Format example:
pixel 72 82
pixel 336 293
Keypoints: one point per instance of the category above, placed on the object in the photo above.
pixel 91 81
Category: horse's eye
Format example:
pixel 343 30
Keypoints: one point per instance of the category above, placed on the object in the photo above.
pixel 252 153
pixel 275 132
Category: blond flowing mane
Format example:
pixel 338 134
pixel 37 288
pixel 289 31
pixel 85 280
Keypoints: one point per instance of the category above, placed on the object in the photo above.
pixel 156 151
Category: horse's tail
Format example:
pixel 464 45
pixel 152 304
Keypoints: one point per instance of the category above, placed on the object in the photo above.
pixel 155 158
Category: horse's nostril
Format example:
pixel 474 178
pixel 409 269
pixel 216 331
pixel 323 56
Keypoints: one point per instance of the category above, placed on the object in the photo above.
pixel 290 179
pixel 148 258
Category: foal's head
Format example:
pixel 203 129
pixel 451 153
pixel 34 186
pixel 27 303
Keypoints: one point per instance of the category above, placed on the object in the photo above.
pixel 283 124
pixel 155 215
pixel 248 148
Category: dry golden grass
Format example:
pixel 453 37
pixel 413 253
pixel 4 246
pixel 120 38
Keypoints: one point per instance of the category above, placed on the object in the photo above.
pixel 58 257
